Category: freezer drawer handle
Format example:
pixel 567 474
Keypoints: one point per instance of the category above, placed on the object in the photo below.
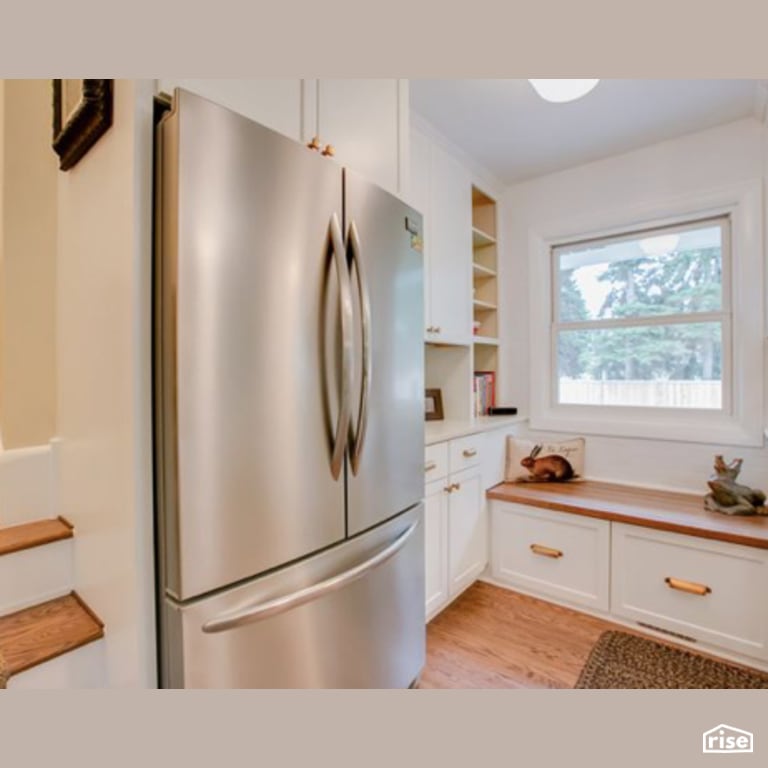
pixel 357 441
pixel 347 372
pixel 260 611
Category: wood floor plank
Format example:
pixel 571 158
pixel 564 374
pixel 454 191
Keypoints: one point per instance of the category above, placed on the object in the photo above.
pixel 27 535
pixel 492 637
pixel 42 632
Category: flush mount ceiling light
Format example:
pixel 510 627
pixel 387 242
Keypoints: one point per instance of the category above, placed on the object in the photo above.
pixel 563 90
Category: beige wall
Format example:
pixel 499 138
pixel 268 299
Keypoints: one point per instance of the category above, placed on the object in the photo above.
pixel 28 232
pixel 104 381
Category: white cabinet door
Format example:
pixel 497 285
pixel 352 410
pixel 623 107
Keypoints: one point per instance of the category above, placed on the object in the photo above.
pixel 711 591
pixel 363 120
pixel 274 102
pixel 467 529
pixel 436 546
pixel 450 268
pixel 419 196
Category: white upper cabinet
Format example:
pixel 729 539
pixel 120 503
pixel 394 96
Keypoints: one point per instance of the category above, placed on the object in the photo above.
pixel 362 123
pixel 365 122
pixel 441 188
pixel 450 250
pixel 276 103
pixel 418 196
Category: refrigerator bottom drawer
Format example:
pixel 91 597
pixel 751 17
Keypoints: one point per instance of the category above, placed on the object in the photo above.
pixel 350 617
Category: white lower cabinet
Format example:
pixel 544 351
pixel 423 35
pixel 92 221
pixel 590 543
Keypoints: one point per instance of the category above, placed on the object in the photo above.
pixel 710 591
pixel 436 545
pixel 455 527
pixel 467 530
pixel 552 553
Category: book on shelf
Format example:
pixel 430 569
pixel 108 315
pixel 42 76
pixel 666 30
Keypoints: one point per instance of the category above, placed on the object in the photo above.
pixel 484 391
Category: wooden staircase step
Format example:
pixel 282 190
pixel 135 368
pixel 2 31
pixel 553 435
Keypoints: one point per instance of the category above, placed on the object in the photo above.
pixel 42 632
pixel 18 537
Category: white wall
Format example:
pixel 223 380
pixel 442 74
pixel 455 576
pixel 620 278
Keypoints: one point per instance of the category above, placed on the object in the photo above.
pixel 104 387
pixel 691 164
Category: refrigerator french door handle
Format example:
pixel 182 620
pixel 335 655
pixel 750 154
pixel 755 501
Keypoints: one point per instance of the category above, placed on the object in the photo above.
pixel 252 613
pixel 347 370
pixel 357 439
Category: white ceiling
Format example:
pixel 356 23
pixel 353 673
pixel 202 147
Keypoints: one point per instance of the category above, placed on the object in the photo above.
pixel 506 127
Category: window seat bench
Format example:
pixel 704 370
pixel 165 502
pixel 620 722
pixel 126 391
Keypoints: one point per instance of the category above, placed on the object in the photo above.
pixel 635 505
pixel 643 557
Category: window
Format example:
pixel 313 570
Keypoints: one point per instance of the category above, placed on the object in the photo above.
pixel 643 319
pixel 648 321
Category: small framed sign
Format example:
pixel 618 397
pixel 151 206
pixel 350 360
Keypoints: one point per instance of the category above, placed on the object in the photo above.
pixel 82 112
pixel 433 405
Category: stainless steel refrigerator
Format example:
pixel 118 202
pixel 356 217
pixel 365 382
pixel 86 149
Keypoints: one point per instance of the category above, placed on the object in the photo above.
pixel 289 392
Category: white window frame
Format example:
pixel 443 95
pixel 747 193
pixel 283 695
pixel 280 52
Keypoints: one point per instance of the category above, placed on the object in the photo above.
pixel 740 422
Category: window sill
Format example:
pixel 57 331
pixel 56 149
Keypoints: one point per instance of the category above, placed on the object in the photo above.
pixel 651 427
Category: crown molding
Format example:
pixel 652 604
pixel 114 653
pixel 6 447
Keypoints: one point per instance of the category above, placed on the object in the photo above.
pixel 482 175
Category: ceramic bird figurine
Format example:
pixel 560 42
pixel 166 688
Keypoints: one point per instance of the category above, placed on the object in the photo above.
pixel 728 496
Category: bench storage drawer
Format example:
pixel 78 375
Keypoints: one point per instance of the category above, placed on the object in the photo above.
pixel 711 591
pixel 550 553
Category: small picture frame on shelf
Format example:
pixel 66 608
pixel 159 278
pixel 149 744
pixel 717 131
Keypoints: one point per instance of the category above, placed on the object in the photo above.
pixel 433 405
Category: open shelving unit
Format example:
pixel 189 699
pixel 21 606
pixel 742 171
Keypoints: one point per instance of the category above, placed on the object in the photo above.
pixel 485 289
pixel 463 256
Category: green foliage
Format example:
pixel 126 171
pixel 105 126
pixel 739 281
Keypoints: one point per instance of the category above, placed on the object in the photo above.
pixel 573 353
pixel 675 283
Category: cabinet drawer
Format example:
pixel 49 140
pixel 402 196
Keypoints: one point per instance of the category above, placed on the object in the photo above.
pixel 554 554
pixel 435 462
pixel 707 590
pixel 464 452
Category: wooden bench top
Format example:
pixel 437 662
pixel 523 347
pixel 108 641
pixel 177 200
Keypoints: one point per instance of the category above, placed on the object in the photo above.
pixel 664 510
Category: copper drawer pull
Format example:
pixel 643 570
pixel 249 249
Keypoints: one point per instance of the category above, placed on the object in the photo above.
pixel 688 586
pixel 469 453
pixel 539 549
pixel 430 465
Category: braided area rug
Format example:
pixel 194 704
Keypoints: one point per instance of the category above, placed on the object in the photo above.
pixel 621 660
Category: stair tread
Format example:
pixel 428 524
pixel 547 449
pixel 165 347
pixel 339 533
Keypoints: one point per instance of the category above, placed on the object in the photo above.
pixel 26 535
pixel 42 632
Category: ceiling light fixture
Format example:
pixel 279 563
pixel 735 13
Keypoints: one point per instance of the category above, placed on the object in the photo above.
pixel 563 90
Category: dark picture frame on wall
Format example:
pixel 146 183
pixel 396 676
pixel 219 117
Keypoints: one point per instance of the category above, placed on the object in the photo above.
pixel 433 405
pixel 82 113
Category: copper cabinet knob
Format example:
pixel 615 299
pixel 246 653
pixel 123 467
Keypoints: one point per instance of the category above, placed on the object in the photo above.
pixel 314 144
pixel 329 151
